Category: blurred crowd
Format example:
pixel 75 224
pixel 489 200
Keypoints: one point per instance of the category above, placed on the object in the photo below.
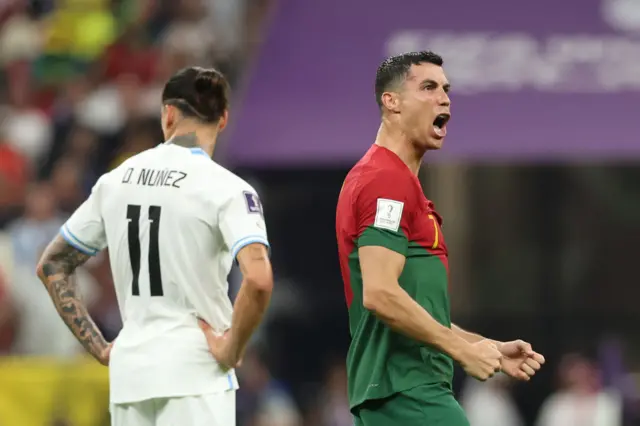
pixel 582 398
pixel 80 84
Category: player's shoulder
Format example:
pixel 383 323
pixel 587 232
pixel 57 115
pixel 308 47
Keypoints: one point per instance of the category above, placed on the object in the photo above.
pixel 117 172
pixel 169 156
pixel 225 184
pixel 135 159
pixel 379 165
pixel 109 177
pixel 116 175
pixel 232 180
pixel 371 177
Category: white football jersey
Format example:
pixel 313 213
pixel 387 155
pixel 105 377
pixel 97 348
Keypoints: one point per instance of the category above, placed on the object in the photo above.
pixel 173 221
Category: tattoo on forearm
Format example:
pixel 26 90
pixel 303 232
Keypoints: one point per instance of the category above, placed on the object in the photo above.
pixel 58 263
pixel 190 140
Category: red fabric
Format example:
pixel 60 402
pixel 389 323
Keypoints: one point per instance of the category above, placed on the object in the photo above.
pixel 13 166
pixel 14 172
pixel 382 174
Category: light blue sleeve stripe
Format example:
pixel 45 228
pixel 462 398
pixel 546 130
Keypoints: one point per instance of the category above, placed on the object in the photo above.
pixel 243 242
pixel 230 380
pixel 76 243
pixel 78 240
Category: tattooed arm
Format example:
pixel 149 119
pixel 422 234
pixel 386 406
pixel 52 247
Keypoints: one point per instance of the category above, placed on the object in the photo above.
pixel 55 270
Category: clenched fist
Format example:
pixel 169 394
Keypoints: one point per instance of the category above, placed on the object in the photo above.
pixel 482 360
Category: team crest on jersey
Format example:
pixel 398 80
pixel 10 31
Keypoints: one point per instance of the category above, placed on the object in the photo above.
pixel 253 202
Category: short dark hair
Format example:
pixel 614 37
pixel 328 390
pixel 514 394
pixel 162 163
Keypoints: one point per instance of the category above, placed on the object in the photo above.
pixel 394 69
pixel 200 93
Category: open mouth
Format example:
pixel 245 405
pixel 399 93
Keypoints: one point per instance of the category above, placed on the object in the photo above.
pixel 440 124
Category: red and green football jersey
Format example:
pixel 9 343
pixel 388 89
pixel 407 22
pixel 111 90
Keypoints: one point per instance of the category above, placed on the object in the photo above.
pixel 382 204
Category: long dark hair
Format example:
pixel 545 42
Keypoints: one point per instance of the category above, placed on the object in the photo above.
pixel 200 93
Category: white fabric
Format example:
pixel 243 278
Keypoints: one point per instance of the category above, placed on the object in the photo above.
pixel 202 216
pixel 206 410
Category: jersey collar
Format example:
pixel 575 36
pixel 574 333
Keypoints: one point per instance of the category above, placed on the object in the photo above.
pixel 194 150
pixel 198 151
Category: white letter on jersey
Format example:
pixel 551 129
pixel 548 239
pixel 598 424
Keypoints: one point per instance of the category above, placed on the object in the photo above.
pixel 388 214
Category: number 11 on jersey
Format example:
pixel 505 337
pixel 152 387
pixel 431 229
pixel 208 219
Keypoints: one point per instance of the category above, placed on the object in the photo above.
pixel 155 276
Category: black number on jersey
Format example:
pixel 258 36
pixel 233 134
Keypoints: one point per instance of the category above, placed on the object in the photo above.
pixel 155 276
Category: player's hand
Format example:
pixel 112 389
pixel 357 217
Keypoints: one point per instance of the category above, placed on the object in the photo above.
pixel 519 360
pixel 104 357
pixel 220 346
pixel 482 360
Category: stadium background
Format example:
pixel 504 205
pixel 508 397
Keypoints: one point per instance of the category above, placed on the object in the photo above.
pixel 538 183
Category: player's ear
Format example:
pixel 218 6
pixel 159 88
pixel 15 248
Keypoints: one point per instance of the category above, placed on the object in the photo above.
pixel 165 120
pixel 223 121
pixel 391 102
pixel 170 118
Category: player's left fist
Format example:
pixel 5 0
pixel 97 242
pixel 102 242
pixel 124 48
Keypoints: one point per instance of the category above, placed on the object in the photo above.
pixel 519 360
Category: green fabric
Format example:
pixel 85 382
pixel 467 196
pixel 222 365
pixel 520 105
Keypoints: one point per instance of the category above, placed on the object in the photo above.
pixel 381 362
pixel 395 241
pixel 431 405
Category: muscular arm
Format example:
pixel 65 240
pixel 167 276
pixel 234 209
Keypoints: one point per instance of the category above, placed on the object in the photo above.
pixel 383 296
pixel 472 337
pixel 253 298
pixel 55 270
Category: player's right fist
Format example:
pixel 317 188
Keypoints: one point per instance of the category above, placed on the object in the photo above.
pixel 482 360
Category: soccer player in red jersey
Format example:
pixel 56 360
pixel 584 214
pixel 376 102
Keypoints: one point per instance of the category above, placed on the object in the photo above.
pixel 394 263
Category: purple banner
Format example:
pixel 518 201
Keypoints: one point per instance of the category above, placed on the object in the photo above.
pixel 531 81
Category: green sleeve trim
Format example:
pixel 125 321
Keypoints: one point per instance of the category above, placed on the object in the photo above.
pixel 391 240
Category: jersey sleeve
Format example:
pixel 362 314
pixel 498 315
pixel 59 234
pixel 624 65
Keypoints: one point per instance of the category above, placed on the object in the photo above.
pixel 85 228
pixel 241 221
pixel 383 211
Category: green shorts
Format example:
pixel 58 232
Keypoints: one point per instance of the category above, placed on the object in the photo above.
pixel 429 405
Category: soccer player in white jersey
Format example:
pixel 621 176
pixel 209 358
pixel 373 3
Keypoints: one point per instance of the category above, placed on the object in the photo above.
pixel 173 221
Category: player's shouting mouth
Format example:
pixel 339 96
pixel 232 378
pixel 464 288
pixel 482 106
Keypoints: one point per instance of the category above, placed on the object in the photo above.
pixel 440 125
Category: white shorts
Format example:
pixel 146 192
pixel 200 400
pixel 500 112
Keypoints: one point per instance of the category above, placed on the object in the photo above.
pixel 218 409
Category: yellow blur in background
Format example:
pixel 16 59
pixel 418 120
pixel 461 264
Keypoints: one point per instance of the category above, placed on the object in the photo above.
pixel 82 29
pixel 33 391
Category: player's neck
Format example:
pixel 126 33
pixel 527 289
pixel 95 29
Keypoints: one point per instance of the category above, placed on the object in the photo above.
pixel 398 143
pixel 195 138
